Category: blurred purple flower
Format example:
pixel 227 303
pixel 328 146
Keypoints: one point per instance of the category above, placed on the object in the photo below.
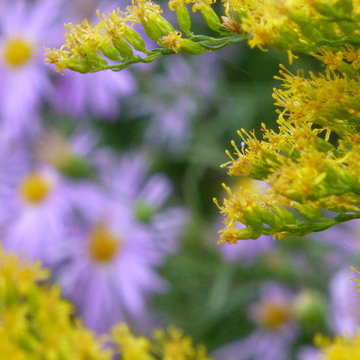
pixel 175 97
pixel 111 272
pixel 276 330
pixel 39 209
pixel 39 197
pixel 120 234
pixel 345 303
pixel 25 28
pixel 130 183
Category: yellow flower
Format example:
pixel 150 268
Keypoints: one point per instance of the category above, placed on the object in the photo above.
pixel 341 348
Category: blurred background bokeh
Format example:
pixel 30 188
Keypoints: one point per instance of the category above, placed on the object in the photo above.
pixel 108 180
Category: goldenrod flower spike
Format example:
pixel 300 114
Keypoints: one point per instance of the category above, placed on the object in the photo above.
pixel 303 170
pixel 87 47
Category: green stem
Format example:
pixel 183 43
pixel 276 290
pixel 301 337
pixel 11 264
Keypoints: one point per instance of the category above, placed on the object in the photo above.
pixel 310 227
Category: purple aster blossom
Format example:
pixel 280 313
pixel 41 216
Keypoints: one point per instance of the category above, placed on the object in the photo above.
pixel 146 196
pixel 276 329
pixel 112 267
pixel 39 198
pixel 39 212
pixel 25 29
pixel 174 96
pixel 95 94
pixel 345 303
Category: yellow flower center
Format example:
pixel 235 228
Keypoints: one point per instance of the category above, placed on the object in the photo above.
pixel 17 52
pixel 272 316
pixel 103 245
pixel 34 189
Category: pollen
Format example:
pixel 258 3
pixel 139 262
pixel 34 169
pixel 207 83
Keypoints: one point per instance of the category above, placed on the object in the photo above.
pixel 17 52
pixel 34 188
pixel 103 245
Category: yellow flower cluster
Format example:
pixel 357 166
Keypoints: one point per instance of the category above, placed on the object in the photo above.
pixel 110 44
pixel 113 37
pixel 291 25
pixel 298 25
pixel 36 323
pixel 341 348
pixel 311 163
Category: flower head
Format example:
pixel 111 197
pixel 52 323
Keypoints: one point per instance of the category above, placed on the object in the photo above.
pixel 25 27
pixel 113 260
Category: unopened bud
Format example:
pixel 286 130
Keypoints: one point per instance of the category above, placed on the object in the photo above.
pixel 210 17
pixel 309 212
pixel 156 26
pixel 191 47
pixel 134 39
pixel 94 59
pixel 110 52
pixel 183 17
pixel 123 48
pixel 77 65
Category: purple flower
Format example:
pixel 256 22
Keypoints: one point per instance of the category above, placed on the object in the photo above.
pixel 275 333
pixel 112 267
pixel 146 196
pixel 39 198
pixel 39 212
pixel 120 234
pixel 25 28
pixel 173 99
